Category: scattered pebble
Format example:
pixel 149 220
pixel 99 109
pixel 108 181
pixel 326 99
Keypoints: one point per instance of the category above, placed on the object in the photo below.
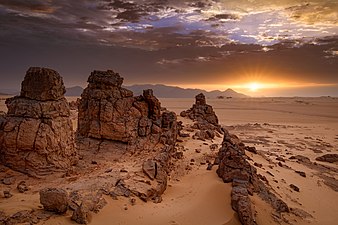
pixel 294 187
pixel 22 187
pixel 301 173
pixel 7 194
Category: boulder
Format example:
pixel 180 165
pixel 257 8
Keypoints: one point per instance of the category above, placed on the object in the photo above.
pixel 36 135
pixel 330 158
pixel 81 215
pixel 54 200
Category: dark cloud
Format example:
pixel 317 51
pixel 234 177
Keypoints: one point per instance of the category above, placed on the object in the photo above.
pixel 222 17
pixel 171 41
pixel 34 5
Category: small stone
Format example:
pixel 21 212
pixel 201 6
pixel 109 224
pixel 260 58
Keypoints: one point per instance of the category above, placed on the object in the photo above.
pixel 8 180
pixel 94 162
pixel 258 165
pixel 251 149
pixel 108 170
pixel 113 195
pixel 184 135
pixel 270 173
pixel 132 201
pixel 209 166
pixel 294 187
pixel 280 159
pixel 303 174
pixel 198 150
pixel 7 194
pixel 22 187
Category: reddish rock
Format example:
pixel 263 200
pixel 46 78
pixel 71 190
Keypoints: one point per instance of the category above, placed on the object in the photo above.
pixel 204 117
pixel 42 84
pixel 36 136
pixel 234 167
pixel 54 200
pixel 115 124
pixel 330 158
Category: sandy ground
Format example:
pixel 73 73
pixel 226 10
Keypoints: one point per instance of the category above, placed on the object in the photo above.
pixel 281 127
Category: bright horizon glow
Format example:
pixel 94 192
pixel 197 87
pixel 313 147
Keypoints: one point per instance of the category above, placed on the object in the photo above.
pixel 257 88
pixel 254 86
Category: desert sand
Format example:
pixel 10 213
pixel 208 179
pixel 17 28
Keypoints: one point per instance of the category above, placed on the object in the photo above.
pixel 277 127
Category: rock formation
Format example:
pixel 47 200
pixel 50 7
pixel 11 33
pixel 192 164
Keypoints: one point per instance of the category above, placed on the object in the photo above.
pixel 115 125
pixel 54 200
pixel 331 158
pixel 204 117
pixel 108 111
pixel 36 135
pixel 234 167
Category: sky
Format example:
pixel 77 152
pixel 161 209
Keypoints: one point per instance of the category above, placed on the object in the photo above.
pixel 257 47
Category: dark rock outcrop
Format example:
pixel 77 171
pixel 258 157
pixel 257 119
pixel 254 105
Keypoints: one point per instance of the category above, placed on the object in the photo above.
pixel 42 84
pixel 114 123
pixel 36 135
pixel 234 167
pixel 54 200
pixel 108 111
pixel 81 215
pixel 204 117
pixel 330 158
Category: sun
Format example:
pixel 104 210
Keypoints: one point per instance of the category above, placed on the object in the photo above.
pixel 254 86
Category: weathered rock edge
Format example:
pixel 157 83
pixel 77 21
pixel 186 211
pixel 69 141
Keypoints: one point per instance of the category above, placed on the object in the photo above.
pixel 234 167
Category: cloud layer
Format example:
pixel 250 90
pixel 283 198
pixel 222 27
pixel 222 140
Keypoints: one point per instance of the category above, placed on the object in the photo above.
pixel 174 41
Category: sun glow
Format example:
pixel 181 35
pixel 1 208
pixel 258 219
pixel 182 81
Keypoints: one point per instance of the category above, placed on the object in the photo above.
pixel 254 86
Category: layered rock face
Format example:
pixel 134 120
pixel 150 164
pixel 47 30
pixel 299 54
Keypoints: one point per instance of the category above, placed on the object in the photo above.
pixel 204 117
pixel 113 124
pixel 36 135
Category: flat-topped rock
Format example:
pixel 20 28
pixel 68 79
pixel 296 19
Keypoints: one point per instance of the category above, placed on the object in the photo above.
pixel 105 79
pixel 42 84
pixel 36 135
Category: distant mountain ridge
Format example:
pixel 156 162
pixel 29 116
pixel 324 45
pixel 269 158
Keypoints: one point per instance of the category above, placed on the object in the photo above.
pixel 164 91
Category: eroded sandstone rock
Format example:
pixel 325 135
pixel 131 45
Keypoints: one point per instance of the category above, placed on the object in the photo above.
pixel 204 117
pixel 331 158
pixel 234 167
pixel 113 124
pixel 42 84
pixel 54 200
pixel 36 135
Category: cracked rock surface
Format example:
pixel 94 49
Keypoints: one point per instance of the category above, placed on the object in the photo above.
pixel 36 135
